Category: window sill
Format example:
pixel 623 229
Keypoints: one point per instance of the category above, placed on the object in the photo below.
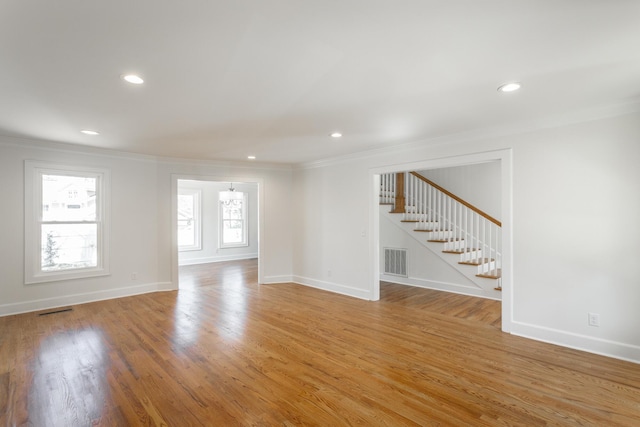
pixel 65 275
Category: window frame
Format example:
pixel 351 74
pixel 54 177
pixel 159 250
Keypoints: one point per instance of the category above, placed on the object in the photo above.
pixel 197 219
pixel 34 172
pixel 245 223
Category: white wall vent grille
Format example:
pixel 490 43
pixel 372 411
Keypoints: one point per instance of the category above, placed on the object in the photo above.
pixel 395 262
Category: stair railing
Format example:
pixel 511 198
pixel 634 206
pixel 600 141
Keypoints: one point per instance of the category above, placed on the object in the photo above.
pixel 449 218
pixel 388 189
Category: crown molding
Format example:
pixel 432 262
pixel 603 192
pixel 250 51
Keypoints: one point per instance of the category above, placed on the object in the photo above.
pixel 576 117
pixel 62 147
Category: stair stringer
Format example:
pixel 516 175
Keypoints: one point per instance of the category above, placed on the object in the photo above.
pixel 483 287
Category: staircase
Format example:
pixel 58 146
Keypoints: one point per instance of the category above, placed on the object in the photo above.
pixel 459 233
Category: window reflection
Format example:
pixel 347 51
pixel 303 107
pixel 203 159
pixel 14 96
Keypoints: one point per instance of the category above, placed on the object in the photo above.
pixel 69 374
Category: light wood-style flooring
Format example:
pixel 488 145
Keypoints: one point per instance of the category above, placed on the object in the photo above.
pixel 225 351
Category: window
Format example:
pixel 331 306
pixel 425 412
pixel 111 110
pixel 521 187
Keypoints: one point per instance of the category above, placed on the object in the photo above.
pixel 233 219
pixel 66 223
pixel 189 220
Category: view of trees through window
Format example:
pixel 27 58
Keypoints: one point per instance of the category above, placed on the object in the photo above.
pixel 233 219
pixel 68 227
pixel 188 219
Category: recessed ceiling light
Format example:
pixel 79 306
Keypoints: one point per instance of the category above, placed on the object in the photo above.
pixel 336 135
pixel 89 132
pixel 509 87
pixel 251 157
pixel 133 79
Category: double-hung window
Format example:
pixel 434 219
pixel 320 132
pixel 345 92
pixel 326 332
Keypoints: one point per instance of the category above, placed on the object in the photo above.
pixel 189 223
pixel 233 219
pixel 66 223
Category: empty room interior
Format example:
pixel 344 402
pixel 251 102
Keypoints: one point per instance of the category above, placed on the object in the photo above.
pixel 286 213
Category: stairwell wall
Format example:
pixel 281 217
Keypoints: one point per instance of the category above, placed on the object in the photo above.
pixel 478 184
pixel 575 204
pixel 424 268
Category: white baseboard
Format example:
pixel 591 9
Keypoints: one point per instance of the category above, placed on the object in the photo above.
pixel 217 258
pixel 443 286
pixel 333 287
pixel 271 280
pixel 83 298
pixel 617 350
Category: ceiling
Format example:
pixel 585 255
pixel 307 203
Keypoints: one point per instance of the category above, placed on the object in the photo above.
pixel 273 78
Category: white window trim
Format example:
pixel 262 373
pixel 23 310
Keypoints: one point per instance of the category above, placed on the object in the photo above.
pixel 245 228
pixel 197 219
pixel 33 219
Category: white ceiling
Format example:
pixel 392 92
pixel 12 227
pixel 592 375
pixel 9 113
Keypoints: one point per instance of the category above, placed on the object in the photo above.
pixel 273 78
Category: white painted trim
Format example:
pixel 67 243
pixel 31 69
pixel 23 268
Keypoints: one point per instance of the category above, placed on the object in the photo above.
pixel 582 116
pixel 33 175
pixel 332 287
pixel 374 238
pixel 440 286
pixel 617 350
pixel 82 298
pixel 218 258
pixel 65 147
pixel 273 280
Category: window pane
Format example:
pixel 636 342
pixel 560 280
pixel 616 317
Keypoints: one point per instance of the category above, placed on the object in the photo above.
pixel 68 198
pixel 69 246
pixel 232 209
pixel 186 233
pixel 186 204
pixel 232 232
pixel 187 217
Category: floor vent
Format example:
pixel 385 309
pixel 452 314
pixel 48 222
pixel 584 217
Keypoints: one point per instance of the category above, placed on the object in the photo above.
pixel 55 311
pixel 395 262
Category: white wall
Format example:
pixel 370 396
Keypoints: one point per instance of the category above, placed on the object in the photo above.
pixel 142 233
pixel 210 228
pixel 574 228
pixel 133 230
pixel 478 184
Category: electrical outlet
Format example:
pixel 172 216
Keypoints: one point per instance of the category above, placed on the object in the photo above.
pixel 594 319
pixel 328 273
pixel 134 276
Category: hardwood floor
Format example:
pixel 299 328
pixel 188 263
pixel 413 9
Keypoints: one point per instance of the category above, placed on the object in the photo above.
pixel 224 351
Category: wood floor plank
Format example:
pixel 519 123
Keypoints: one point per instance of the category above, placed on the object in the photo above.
pixel 226 351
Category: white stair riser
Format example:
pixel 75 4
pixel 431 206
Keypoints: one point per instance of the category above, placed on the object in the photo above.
pixel 426 225
pixel 486 267
pixel 468 256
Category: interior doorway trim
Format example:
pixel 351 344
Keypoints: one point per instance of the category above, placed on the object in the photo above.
pixel 174 217
pixel 506 179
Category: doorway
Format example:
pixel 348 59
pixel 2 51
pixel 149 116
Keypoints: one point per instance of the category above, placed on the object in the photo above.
pixel 503 157
pixel 215 220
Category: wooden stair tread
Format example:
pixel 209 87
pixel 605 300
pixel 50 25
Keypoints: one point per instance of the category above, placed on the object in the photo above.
pixel 409 220
pixel 444 240
pixel 478 261
pixel 387 204
pixel 493 274
pixel 459 251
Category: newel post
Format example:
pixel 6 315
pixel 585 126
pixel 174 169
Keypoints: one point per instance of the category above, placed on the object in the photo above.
pixel 399 206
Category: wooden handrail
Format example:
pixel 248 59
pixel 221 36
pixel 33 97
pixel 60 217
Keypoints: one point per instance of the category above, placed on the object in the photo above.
pixel 458 199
